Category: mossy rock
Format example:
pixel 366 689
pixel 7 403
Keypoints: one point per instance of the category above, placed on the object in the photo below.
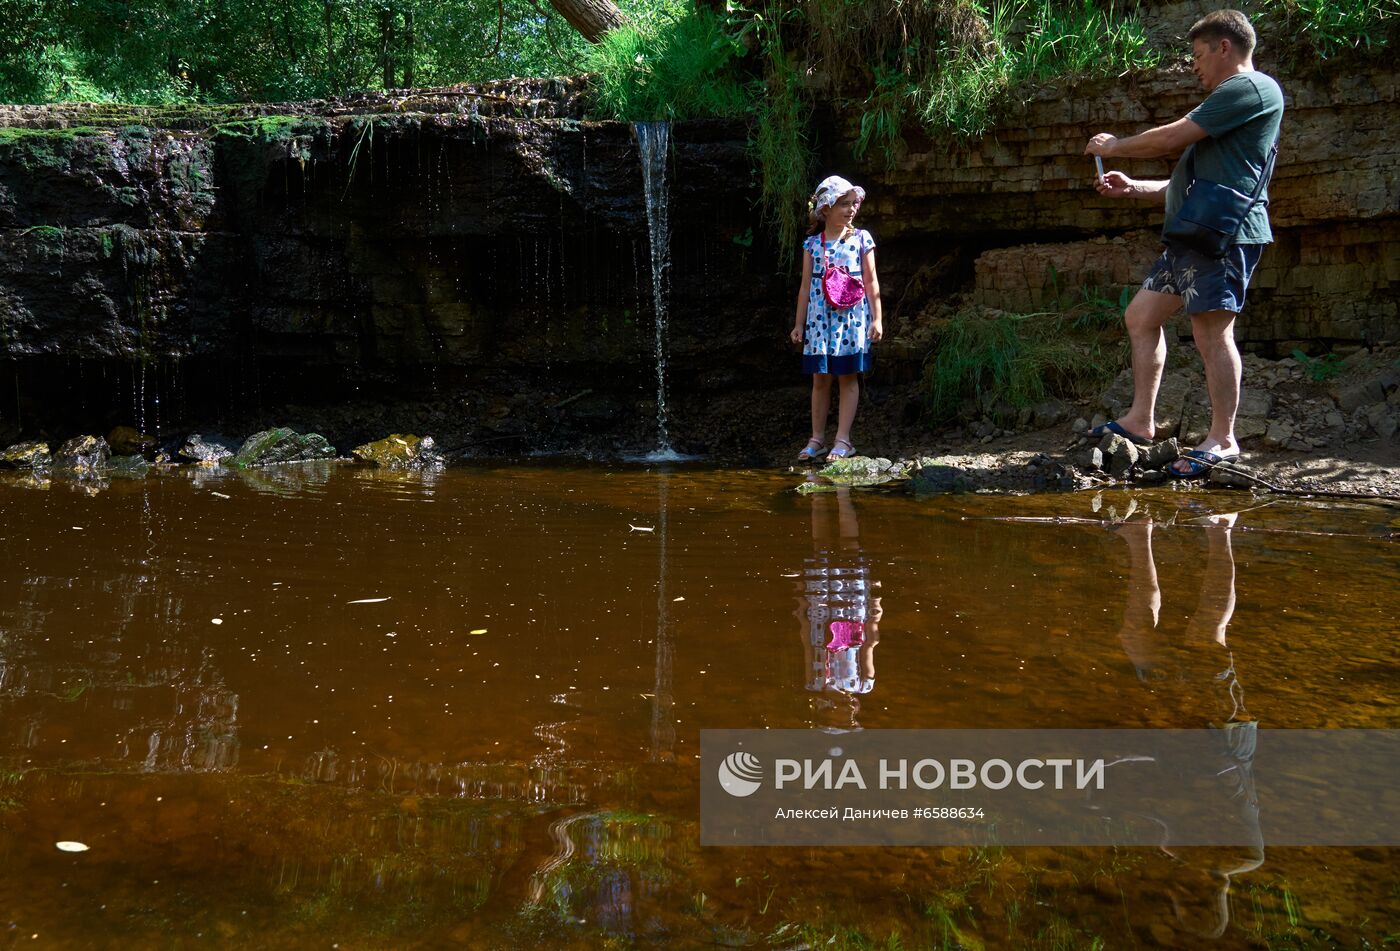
pixel 400 452
pixel 862 470
pixel 273 447
pixel 26 455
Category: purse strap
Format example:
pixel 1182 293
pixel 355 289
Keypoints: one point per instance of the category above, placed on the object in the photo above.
pixel 826 261
pixel 1264 176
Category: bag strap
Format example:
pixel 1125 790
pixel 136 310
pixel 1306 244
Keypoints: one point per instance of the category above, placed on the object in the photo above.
pixel 826 262
pixel 1265 175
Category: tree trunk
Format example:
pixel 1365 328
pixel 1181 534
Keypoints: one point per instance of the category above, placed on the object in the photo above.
pixel 408 51
pixel 386 45
pixel 592 18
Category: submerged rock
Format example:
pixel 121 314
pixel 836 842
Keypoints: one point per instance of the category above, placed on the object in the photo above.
pixel 401 452
pixel 276 446
pixel 132 465
pixel 198 449
pixel 126 441
pixel 83 454
pixel 940 479
pixel 26 455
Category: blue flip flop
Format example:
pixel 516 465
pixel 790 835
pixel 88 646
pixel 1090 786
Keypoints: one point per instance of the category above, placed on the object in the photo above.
pixel 1199 462
pixel 1115 428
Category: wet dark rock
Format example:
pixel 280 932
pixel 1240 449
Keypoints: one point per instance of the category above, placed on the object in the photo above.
pixel 26 455
pixel 199 449
pixel 127 441
pixel 1154 477
pixel 401 452
pixel 83 454
pixel 276 446
pixel 130 465
pixel 939 479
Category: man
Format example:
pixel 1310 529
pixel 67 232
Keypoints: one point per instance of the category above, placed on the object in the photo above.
pixel 1231 133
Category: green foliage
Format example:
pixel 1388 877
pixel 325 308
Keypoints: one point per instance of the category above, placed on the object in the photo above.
pixel 1320 369
pixel 155 51
pixel 780 148
pixel 1027 41
pixel 1327 28
pixel 1019 358
pixel 675 65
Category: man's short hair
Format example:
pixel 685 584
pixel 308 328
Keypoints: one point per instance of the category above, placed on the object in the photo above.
pixel 1229 25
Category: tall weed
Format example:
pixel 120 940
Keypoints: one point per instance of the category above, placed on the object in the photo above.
pixel 1019 358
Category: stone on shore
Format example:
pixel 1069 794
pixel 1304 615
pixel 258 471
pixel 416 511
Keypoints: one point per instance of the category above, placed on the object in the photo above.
pixel 126 441
pixel 273 447
pixel 862 470
pixel 83 454
pixel 401 452
pixel 26 455
pixel 204 451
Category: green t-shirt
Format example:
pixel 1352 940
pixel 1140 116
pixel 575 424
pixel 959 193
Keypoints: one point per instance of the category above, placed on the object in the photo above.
pixel 1241 117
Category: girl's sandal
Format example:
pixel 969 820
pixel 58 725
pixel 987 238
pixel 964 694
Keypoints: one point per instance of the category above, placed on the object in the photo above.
pixel 811 451
pixel 837 452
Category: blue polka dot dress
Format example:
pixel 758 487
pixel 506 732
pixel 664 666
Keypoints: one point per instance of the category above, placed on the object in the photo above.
pixel 836 341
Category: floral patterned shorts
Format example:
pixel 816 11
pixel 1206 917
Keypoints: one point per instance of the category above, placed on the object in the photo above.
pixel 1205 283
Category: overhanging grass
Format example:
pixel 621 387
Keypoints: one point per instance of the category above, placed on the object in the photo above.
pixel 676 65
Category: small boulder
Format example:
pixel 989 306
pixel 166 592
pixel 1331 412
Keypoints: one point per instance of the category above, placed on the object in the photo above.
pixel 858 470
pixel 126 441
pixel 273 447
pixel 1159 455
pixel 26 455
pixel 207 451
pixel 938 479
pixel 401 452
pixel 1232 475
pixel 1049 413
pixel 83 454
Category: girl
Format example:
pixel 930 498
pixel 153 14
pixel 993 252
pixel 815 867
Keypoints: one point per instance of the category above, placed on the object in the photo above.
pixel 836 343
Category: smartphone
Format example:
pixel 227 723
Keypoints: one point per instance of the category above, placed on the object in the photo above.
pixel 1098 164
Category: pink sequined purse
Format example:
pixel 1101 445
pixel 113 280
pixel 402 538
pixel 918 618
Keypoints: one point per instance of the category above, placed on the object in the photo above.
pixel 841 290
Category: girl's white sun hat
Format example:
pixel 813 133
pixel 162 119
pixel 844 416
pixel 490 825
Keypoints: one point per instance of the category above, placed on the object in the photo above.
pixel 831 189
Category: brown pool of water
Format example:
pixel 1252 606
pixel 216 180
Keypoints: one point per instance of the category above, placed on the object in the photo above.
pixel 326 705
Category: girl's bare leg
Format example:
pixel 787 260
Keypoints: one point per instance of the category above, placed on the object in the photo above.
pixel 821 405
pixel 850 396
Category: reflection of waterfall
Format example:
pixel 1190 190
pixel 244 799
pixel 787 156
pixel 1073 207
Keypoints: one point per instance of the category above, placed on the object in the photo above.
pixel 663 723
pixel 652 142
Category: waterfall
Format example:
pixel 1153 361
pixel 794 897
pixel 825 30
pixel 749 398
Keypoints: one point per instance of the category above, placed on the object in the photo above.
pixel 653 139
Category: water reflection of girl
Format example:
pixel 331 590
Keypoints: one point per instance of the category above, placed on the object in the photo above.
pixel 838 613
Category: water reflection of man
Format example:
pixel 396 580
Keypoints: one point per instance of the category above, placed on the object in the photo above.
pixel 1193 678
pixel 838 613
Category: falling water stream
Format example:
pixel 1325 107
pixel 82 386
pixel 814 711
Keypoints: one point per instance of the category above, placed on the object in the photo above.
pixel 653 140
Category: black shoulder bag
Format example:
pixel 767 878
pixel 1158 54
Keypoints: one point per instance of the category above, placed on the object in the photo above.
pixel 1212 214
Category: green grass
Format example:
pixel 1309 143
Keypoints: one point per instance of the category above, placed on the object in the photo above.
pixel 1028 41
pixel 675 65
pixel 1328 28
pixel 985 356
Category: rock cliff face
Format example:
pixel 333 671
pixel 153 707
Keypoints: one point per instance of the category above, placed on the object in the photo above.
pixel 484 253
pixel 1020 202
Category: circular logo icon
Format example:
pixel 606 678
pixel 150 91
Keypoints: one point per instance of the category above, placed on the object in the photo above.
pixel 741 774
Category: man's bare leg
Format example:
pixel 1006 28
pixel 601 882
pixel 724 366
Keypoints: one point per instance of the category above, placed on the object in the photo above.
pixel 1147 313
pixel 1215 338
